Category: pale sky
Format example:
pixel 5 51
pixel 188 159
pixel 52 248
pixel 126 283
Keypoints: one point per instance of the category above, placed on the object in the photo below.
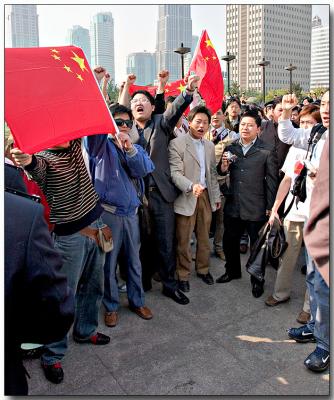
pixel 135 26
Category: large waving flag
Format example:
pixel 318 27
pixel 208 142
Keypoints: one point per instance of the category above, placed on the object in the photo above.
pixel 206 65
pixel 52 96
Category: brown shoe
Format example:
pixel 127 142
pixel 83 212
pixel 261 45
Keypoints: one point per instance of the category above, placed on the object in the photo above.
pixel 220 254
pixel 271 301
pixel 143 312
pixel 303 317
pixel 111 319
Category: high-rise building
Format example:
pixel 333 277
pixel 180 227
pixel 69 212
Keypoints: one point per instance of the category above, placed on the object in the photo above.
pixel 319 54
pixel 79 36
pixel 143 66
pixel 21 25
pixel 102 42
pixel 174 28
pixel 279 33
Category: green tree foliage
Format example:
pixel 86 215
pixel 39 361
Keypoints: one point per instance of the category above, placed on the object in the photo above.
pixel 113 92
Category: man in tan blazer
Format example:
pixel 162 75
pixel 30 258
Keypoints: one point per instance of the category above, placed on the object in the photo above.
pixel 193 170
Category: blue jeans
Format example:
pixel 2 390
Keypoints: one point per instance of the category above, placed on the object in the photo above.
pixel 83 265
pixel 125 231
pixel 319 305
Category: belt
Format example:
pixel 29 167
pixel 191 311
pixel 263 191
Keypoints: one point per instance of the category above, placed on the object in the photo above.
pixel 91 233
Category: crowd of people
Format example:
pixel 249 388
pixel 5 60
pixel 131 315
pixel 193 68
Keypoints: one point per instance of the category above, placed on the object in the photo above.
pixel 175 173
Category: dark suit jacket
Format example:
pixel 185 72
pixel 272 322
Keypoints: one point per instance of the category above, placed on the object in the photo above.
pixel 158 134
pixel 14 179
pixel 269 135
pixel 39 306
pixel 253 181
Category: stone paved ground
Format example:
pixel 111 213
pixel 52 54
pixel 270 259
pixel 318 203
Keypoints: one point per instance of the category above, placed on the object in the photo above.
pixel 225 342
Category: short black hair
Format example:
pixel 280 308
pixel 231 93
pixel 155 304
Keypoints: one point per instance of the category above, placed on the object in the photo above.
pixel 232 100
pixel 252 114
pixel 309 99
pixel 199 110
pixel 296 108
pixel 120 109
pixel 145 93
pixel 277 100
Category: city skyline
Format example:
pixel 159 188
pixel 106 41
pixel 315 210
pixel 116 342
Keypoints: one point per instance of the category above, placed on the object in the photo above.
pixel 55 20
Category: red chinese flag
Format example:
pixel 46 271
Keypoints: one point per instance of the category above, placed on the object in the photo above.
pixel 151 89
pixel 206 65
pixel 52 96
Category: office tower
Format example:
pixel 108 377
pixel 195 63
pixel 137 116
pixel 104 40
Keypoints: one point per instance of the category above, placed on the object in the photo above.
pixel 102 42
pixel 79 36
pixel 279 33
pixel 174 27
pixel 143 66
pixel 21 25
pixel 319 54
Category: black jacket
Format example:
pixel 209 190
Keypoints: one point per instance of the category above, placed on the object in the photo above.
pixel 39 306
pixel 158 134
pixel 269 135
pixel 253 181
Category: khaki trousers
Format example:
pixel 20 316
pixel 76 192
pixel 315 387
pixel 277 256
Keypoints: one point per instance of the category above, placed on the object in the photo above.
pixel 294 236
pixel 199 223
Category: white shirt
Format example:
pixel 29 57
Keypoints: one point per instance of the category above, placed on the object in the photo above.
pixel 295 214
pixel 199 145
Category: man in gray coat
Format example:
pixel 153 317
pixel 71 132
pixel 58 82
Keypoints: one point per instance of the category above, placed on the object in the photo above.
pixel 193 168
pixel 154 132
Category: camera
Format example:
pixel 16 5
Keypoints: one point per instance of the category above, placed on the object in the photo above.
pixel 230 156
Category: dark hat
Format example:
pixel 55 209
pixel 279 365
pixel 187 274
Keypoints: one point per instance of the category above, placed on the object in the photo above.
pixel 269 103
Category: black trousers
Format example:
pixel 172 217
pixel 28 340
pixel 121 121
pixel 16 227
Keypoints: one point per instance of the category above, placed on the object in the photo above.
pixel 234 228
pixel 158 251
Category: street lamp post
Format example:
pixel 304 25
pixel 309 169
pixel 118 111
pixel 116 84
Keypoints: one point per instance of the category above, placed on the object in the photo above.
pixel 228 58
pixel 182 50
pixel 290 68
pixel 264 63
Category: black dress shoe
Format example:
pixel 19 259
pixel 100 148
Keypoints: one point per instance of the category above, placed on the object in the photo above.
pixel 243 248
pixel 227 278
pixel 183 286
pixel 53 373
pixel 257 289
pixel 99 339
pixel 206 278
pixel 177 296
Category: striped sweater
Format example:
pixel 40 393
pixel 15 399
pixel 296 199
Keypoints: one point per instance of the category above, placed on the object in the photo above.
pixel 63 178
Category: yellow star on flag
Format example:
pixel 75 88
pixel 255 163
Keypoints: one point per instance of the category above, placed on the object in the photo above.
pixel 54 51
pixel 80 77
pixel 166 90
pixel 80 61
pixel 68 69
pixel 214 58
pixel 181 88
pixel 207 58
pixel 55 57
pixel 209 43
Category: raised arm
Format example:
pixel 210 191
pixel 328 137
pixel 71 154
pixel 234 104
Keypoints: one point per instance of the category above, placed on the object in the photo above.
pixel 124 97
pixel 286 132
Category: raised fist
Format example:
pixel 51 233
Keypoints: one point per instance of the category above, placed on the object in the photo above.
pixel 130 80
pixel 163 77
pixel 289 101
pixel 192 82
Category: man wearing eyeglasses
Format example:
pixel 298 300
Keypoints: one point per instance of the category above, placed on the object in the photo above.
pixel 117 168
pixel 154 132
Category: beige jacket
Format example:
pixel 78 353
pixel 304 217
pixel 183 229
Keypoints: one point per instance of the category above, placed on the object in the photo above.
pixel 185 171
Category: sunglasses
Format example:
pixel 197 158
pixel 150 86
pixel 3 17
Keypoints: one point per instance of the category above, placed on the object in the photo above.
pixel 121 122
